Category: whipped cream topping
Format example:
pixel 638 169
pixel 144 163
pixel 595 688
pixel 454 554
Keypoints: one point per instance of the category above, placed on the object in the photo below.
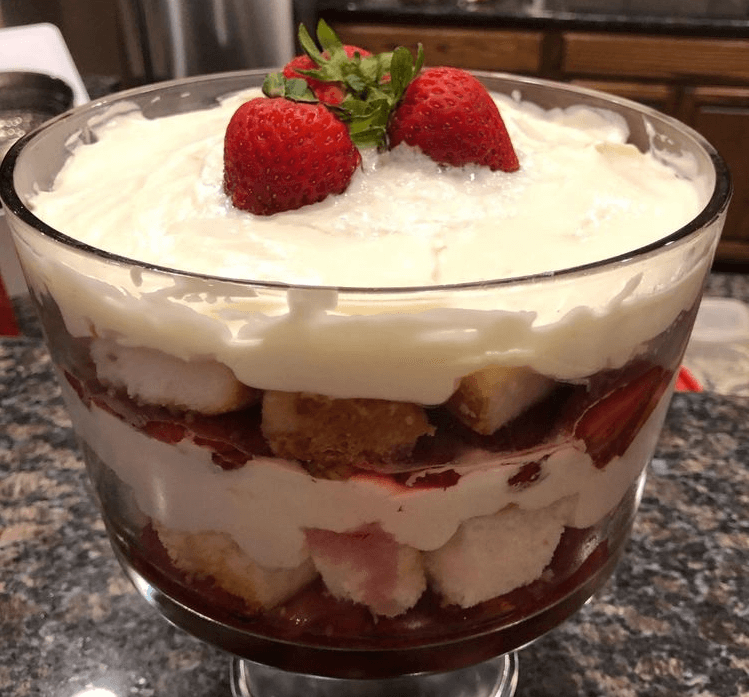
pixel 403 220
pixel 151 190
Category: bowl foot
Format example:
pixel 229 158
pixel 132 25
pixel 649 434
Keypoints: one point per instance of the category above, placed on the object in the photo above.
pixel 494 678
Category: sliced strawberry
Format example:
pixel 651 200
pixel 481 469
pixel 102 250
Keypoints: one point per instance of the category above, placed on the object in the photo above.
pixel 451 116
pixel 609 426
pixel 77 385
pixel 280 155
pixel 526 477
pixel 166 431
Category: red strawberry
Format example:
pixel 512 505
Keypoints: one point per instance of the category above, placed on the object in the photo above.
pixel 450 115
pixel 331 93
pixel 280 155
pixel 165 431
pixel 609 426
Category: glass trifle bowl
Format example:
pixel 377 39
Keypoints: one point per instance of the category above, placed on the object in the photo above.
pixel 365 490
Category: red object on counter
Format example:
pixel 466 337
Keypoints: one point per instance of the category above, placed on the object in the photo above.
pixel 8 326
pixel 686 382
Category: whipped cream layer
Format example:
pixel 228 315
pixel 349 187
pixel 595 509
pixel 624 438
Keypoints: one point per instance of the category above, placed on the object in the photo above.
pixel 151 190
pixel 251 504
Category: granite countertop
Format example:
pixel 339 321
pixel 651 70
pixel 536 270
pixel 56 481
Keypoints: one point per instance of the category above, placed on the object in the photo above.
pixel 702 17
pixel 673 620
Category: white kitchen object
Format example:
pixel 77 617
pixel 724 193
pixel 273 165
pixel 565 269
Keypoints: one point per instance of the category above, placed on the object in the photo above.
pixel 39 48
pixel 722 321
pixel 718 352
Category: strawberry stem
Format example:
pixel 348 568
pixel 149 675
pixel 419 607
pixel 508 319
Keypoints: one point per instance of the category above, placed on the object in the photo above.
pixel 308 44
pixel 295 88
pixel 373 85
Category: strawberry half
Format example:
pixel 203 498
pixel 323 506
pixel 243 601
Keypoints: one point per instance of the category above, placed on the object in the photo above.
pixel 330 93
pixel 280 155
pixel 609 426
pixel 451 116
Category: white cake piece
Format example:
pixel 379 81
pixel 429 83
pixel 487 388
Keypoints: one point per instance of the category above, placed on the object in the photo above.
pixel 492 396
pixel 155 377
pixel 217 555
pixel 368 566
pixel 335 432
pixel 492 555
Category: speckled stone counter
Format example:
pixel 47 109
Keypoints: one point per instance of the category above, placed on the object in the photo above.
pixel 674 619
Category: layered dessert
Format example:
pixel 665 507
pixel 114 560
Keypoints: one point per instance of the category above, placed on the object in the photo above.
pixel 392 417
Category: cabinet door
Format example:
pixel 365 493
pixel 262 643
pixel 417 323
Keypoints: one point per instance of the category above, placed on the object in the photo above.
pixel 655 95
pixel 475 48
pixel 655 57
pixel 721 114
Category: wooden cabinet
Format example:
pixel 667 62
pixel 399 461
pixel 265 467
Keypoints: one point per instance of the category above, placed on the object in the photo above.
pixel 655 57
pixel 476 49
pixel 721 114
pixel 702 81
pixel 656 95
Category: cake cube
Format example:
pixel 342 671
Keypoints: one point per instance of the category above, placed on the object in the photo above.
pixel 492 555
pixel 216 554
pixel 154 377
pixel 341 432
pixel 491 397
pixel 368 566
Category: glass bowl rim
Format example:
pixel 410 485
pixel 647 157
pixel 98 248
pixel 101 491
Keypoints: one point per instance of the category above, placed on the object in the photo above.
pixel 715 206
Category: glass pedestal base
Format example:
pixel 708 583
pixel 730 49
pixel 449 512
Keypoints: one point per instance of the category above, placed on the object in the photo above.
pixel 495 678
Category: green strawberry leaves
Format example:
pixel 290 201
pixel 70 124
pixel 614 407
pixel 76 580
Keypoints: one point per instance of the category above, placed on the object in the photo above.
pixel 373 84
pixel 403 70
pixel 296 89
pixel 373 92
